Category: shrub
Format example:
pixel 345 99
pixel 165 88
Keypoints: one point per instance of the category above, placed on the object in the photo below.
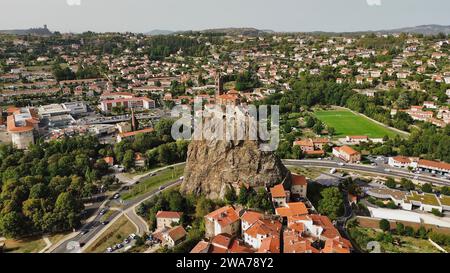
pixel 384 225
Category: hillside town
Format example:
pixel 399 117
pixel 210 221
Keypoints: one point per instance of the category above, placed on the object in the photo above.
pixel 85 133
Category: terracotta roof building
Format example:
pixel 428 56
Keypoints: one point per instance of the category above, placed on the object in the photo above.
pixel 223 220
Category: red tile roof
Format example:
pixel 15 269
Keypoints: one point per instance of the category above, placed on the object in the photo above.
pixel 336 246
pixel 270 244
pixel 292 209
pixel 201 247
pixel 144 131
pixel 295 243
pixel 169 214
pixel 298 180
pixel 347 150
pixel 109 160
pixel 177 233
pixel 222 240
pixel 434 164
pixel 251 216
pixel 264 228
pixel 278 191
pixel 224 216
pixel 11 125
pixel 402 159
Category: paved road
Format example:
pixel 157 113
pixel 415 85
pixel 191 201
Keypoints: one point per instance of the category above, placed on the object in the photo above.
pixel 379 170
pixel 140 223
pixel 95 226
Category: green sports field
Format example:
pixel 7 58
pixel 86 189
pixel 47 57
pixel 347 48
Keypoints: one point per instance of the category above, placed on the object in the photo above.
pixel 347 123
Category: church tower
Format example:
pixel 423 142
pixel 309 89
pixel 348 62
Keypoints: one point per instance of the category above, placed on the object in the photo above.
pixel 219 85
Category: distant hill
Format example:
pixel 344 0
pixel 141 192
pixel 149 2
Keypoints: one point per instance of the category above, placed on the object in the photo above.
pixel 228 31
pixel 44 31
pixel 159 32
pixel 238 31
pixel 423 29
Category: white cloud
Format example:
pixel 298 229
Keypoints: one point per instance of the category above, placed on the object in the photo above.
pixel 373 2
pixel 73 2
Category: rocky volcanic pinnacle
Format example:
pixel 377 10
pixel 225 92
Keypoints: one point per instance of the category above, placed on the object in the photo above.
pixel 214 166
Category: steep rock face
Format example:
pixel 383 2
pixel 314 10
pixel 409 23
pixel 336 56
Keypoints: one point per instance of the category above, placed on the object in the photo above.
pixel 214 166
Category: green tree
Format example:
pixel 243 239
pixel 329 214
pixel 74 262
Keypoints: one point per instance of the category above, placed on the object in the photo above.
pixel 400 229
pixel 67 210
pixel 128 159
pixel 243 195
pixel 445 190
pixel 408 184
pixel 390 183
pixel 384 225
pixel 13 224
pixel 230 195
pixel 332 203
pixel 428 188
pixel 164 128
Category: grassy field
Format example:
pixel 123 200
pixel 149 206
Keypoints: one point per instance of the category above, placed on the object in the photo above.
pixel 347 123
pixel 107 215
pixel 406 245
pixel 154 182
pixel 310 173
pixel 32 244
pixel 29 245
pixel 115 234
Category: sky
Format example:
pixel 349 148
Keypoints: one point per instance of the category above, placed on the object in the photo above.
pixel 277 15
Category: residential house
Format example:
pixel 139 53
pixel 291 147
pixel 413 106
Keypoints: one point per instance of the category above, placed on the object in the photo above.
pixel 299 185
pixel 167 219
pixel 279 195
pixel 174 236
pixel 293 242
pixel 356 140
pixel 347 154
pixel 223 220
pixel 260 230
pixel 292 209
pixel 249 218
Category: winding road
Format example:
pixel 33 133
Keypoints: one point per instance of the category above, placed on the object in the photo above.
pixel 78 242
